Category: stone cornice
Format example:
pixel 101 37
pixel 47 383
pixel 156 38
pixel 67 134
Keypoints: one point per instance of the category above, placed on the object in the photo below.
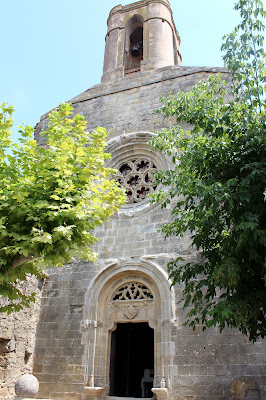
pixel 144 79
pixel 134 6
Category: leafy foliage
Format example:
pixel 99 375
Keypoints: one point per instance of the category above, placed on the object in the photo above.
pixel 217 185
pixel 245 56
pixel 51 198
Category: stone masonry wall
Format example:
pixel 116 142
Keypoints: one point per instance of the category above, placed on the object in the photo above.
pixel 130 104
pixel 17 342
pixel 58 358
pixel 205 364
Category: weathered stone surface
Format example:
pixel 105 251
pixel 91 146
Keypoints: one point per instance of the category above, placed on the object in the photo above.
pixel 17 341
pixel 201 364
pixel 27 385
pixel 244 388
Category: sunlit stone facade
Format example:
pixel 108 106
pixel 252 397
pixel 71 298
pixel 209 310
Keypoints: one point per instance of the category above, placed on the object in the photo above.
pixel 114 327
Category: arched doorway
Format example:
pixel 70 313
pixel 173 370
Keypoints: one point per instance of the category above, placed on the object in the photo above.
pixel 134 301
pixel 132 360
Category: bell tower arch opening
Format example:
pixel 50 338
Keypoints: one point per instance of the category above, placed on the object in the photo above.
pixel 133 44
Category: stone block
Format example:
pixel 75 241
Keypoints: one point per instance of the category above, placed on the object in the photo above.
pixel 258 359
pixel 244 388
pixel 3 391
pixel 73 396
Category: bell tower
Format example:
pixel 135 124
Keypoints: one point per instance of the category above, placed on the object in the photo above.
pixel 140 36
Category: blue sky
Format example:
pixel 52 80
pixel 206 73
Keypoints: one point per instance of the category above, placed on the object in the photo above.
pixel 52 50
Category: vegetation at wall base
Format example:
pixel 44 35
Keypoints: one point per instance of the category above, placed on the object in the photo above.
pixel 52 198
pixel 217 185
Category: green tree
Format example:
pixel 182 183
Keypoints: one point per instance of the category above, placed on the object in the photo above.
pixel 51 198
pixel 217 185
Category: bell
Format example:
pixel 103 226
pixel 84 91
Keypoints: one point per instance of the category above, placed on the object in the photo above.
pixel 135 51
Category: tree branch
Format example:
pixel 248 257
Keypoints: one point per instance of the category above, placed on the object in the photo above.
pixel 22 260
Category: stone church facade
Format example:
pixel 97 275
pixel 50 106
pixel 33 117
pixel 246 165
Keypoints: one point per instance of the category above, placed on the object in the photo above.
pixel 113 328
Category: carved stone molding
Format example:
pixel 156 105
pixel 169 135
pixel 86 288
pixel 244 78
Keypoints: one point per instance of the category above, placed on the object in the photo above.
pixel 86 325
pixel 153 323
pixel 131 301
pixel 131 310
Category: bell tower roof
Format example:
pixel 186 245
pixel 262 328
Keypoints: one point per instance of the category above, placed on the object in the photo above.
pixel 140 36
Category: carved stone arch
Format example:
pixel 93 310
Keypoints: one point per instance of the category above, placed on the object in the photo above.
pixel 134 144
pixel 101 316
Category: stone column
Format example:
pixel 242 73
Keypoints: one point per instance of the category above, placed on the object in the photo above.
pixel 113 68
pixel 160 29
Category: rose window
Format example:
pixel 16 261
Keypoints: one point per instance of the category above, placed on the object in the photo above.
pixel 136 177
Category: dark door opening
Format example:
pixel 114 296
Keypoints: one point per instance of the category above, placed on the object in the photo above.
pixel 132 360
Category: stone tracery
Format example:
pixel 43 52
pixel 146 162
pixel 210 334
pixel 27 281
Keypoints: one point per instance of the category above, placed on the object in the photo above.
pixel 136 176
pixel 132 291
